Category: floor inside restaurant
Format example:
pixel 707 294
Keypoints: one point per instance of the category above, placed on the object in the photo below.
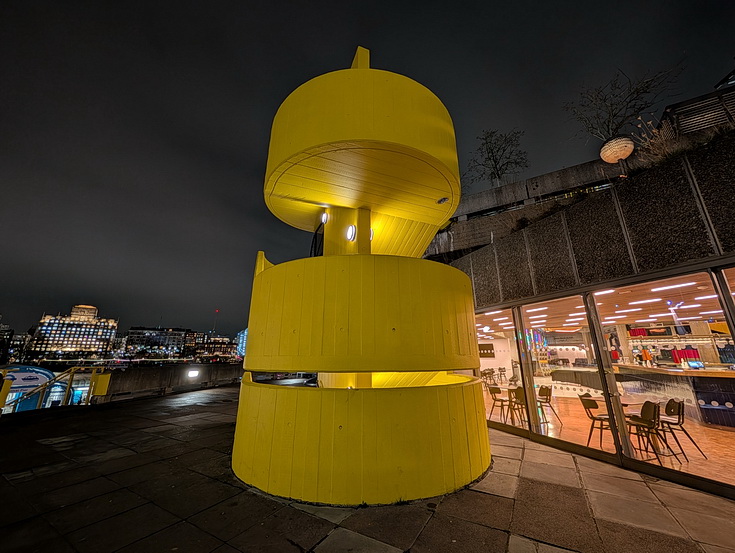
pixel 154 475
pixel 573 425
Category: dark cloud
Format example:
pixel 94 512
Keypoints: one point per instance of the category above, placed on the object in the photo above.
pixel 134 135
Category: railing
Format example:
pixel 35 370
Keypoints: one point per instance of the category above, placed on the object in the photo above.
pixel 96 382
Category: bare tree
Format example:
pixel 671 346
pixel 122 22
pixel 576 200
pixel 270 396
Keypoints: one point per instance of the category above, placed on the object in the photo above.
pixel 607 110
pixel 498 155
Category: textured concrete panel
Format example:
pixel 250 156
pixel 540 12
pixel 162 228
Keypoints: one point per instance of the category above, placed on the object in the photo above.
pixel 485 272
pixel 714 169
pixel 550 256
pixel 662 218
pixel 515 274
pixel 597 239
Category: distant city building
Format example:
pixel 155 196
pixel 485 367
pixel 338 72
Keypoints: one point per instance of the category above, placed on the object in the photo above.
pixel 194 342
pixel 220 346
pixel 242 340
pixel 157 343
pixel 6 337
pixel 80 334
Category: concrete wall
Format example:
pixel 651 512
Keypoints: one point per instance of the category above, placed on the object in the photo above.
pixel 148 380
pixel 677 214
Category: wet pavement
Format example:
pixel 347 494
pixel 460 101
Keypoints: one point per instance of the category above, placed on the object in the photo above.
pixel 154 475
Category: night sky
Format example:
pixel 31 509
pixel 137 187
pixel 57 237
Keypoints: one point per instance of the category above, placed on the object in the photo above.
pixel 134 135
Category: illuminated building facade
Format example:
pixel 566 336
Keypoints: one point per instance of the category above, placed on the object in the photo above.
pixel 155 342
pixel 80 334
pixel 242 341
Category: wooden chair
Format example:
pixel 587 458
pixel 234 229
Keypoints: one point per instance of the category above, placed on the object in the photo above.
pixel 600 421
pixel 646 428
pixel 495 393
pixel 544 400
pixel 517 406
pixel 673 421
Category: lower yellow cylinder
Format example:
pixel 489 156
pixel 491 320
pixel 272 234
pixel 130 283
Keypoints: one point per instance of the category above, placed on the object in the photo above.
pixel 354 446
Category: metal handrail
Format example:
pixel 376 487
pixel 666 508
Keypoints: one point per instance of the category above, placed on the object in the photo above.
pixel 43 387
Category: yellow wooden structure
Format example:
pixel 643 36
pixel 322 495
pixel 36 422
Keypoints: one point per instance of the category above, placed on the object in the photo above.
pixel 368 157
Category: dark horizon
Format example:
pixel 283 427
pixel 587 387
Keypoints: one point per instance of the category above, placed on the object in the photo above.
pixel 135 136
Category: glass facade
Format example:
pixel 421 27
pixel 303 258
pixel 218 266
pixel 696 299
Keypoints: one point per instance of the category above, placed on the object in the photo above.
pixel 646 371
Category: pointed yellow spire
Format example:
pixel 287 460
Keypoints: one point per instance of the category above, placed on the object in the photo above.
pixel 361 59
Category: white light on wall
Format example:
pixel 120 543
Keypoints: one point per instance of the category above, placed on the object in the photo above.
pixel 371 234
pixel 537 316
pixel 325 218
pixel 690 306
pixel 661 315
pixel 576 319
pixel 192 374
pixel 581 313
pixel 351 233
pixel 708 312
pixel 646 320
pixel 603 292
pixel 537 309
pixel 673 286
pixel 706 297
pixel 494 312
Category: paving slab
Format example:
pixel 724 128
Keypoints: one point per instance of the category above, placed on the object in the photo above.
pixel 453 535
pixel 185 494
pixel 623 538
pixel 553 457
pixel 93 510
pixel 506 466
pixel 181 538
pixel 332 514
pixel 693 500
pixel 550 473
pixel 116 532
pixel 286 530
pixel 556 515
pixel 504 485
pixel 519 544
pixel 633 489
pixel 480 508
pixel 633 512
pixel 706 528
pixel 33 536
pixel 72 494
pixel 342 540
pixel 505 451
pixel 591 465
pixel 396 525
pixel 236 514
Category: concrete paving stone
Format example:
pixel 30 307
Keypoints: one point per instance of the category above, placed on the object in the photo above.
pixel 642 514
pixel 143 473
pixel 550 473
pixel 107 455
pixel 155 443
pixel 444 534
pixel 545 548
pixel 231 517
pixel 181 538
pixel 540 447
pixel 503 438
pixel 218 467
pixel 519 544
pixel 195 457
pixel 45 484
pixel 706 528
pixel 556 515
pixel 494 483
pixel 506 466
pixel 341 540
pixel 715 549
pixel 185 493
pixel 632 489
pixel 118 531
pixel 124 463
pixel 623 538
pixel 590 465
pixel 56 468
pixel 555 458
pixel 174 450
pixel 396 525
pixel 161 428
pixel 505 451
pixel 93 510
pixel 14 507
pixel 477 507
pixel 226 549
pixel 131 438
pixel 286 530
pixel 47 501
pixel 693 500
pixel 33 536
pixel 332 514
